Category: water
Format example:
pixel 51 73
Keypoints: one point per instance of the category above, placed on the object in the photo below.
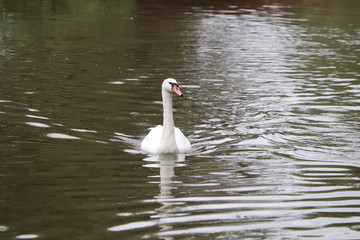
pixel 271 107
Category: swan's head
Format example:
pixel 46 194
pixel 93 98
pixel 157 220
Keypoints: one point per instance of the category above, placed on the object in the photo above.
pixel 171 85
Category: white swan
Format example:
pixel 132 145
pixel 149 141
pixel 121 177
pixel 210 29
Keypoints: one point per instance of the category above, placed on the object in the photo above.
pixel 167 138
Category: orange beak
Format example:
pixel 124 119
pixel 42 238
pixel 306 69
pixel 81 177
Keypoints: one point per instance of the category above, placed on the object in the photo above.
pixel 175 88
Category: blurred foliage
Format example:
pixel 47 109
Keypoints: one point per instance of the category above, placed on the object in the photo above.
pixel 53 7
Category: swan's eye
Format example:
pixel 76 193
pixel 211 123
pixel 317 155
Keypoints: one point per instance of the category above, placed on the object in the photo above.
pixel 174 86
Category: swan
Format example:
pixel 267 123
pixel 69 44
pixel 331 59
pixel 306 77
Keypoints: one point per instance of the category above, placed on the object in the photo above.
pixel 167 139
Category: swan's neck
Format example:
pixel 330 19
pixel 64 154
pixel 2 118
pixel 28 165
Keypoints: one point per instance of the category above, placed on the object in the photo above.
pixel 168 143
pixel 168 119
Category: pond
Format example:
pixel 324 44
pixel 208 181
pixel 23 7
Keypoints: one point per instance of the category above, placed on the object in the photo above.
pixel 271 107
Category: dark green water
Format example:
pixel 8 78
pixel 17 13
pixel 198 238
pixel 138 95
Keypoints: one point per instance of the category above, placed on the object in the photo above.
pixel 271 106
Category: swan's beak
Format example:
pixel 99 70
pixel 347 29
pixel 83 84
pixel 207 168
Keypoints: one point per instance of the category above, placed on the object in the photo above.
pixel 176 89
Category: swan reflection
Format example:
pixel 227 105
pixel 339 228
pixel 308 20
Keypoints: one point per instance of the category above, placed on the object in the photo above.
pixel 167 164
pixel 163 214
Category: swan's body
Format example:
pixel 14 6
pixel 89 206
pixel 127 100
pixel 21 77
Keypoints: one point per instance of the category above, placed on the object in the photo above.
pixel 152 142
pixel 167 138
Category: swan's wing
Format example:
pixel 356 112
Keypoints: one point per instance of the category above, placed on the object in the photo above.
pixel 151 142
pixel 182 142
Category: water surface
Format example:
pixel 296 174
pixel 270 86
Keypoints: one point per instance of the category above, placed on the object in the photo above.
pixel 271 107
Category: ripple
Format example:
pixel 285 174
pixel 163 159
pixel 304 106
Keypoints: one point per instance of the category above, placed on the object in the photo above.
pixel 27 236
pixel 36 124
pixel 61 136
pixel 263 210
pixel 117 82
pixel 32 110
pixel 3 228
pixel 255 142
pixel 190 86
pixel 132 226
pixel 83 130
pixel 35 116
pixel 232 209
pixel 309 224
